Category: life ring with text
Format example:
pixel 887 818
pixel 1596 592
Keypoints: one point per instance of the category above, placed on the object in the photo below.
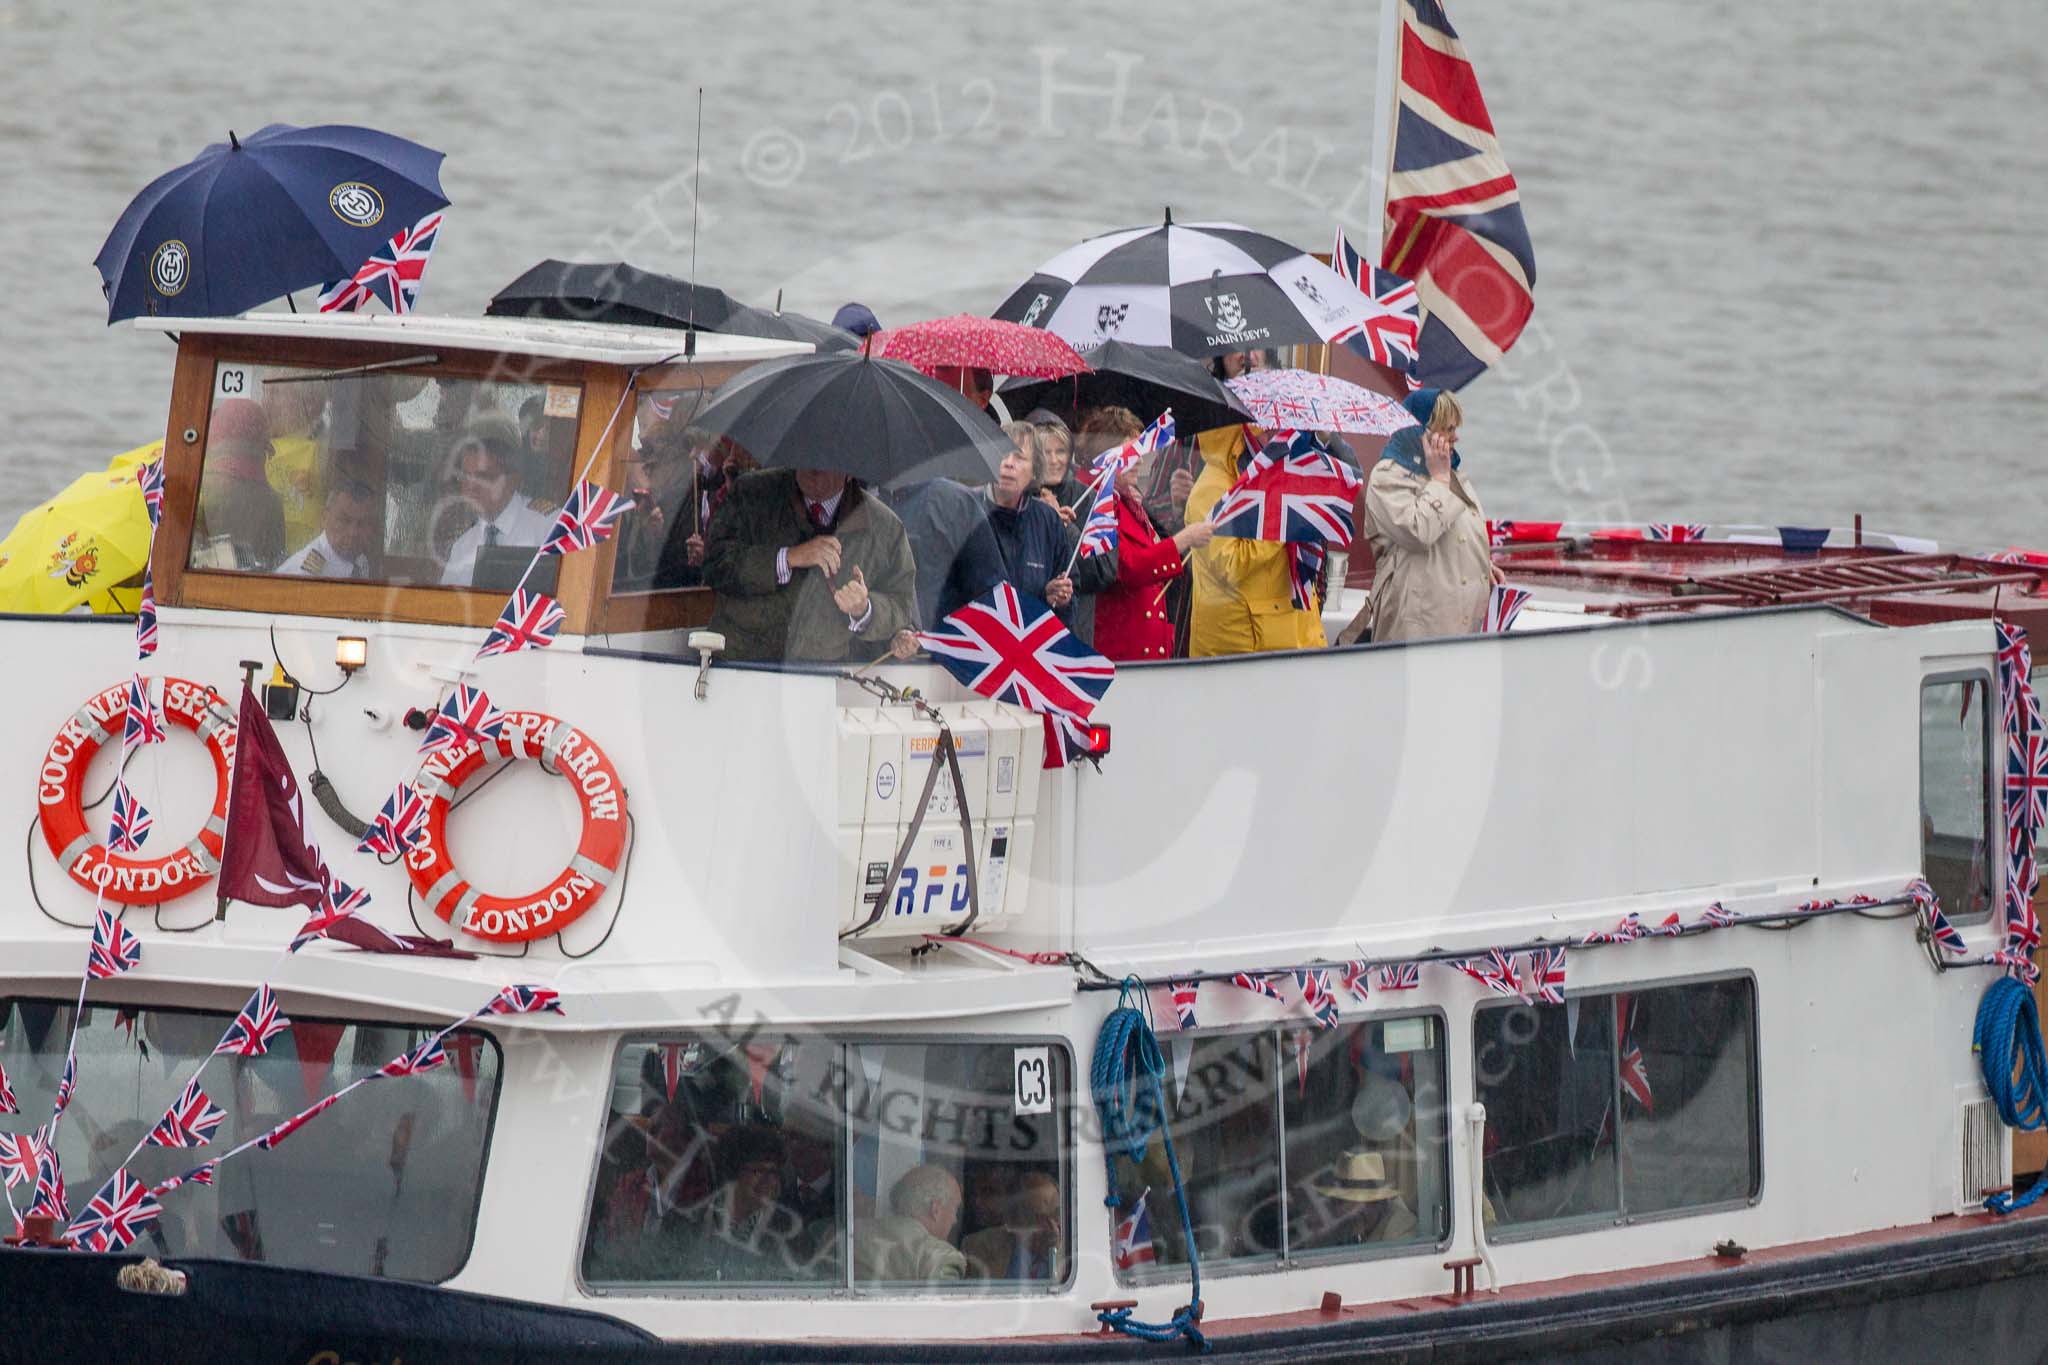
pixel 599 849
pixel 60 797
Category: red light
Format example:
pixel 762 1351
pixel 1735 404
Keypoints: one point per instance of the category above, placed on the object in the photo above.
pixel 1098 740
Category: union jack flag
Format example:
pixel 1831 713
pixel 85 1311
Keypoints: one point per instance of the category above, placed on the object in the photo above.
pixel 1546 975
pixel 391 275
pixel 1355 980
pixel 1133 1243
pixel 1400 976
pixel 1496 972
pixel 525 1000
pixel 1938 928
pixel 49 1194
pixel 428 1056
pixel 1677 532
pixel 297 1121
pixel 1823 903
pixel 1391 334
pixel 2015 666
pixel 1635 1074
pixel 67 1082
pixel 588 518
pixel 1304 567
pixel 530 621
pixel 1258 985
pixel 1185 993
pixel 2017 962
pixel 1316 996
pixel 1009 647
pixel 1293 492
pixel 145 618
pixel 190 1122
pixel 150 479
pixel 114 949
pixel 116 1215
pixel 250 1033
pixel 19 1153
pixel 198 1175
pixel 130 823
pixel 145 724
pixel 1716 916
pixel 8 1104
pixel 1627 931
pixel 1098 533
pixel 1159 434
pixel 2026 780
pixel 343 899
pixel 398 825
pixel 466 717
pixel 1503 605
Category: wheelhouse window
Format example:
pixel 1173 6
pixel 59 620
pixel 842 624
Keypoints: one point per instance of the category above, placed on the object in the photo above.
pixel 1617 1106
pixel 806 1164
pixel 678 478
pixel 391 476
pixel 384 1184
pixel 1957 817
pixel 1298 1143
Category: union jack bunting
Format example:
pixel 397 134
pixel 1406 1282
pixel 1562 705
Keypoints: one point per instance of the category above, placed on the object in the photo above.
pixel 1098 533
pixel 129 825
pixel 525 1000
pixel 1389 336
pixel 1316 996
pixel 1496 972
pixel 1399 976
pixel 1716 916
pixel 114 950
pixel 531 619
pixel 1159 434
pixel 2017 962
pixel 1292 492
pixel 19 1153
pixel 1258 985
pixel 1185 993
pixel 190 1122
pixel 1823 903
pixel 49 1193
pixel 1503 605
pixel 2026 780
pixel 398 824
pixel 8 1104
pixel 145 723
pixel 67 1081
pixel 145 618
pixel 250 1033
pixel 343 898
pixel 116 1215
pixel 150 479
pixel 1546 975
pixel 428 1056
pixel 1939 929
pixel 1627 931
pixel 1354 979
pixel 2015 665
pixel 588 518
pixel 198 1175
pixel 1009 647
pixel 1677 532
pixel 297 1121
pixel 466 717
pixel 391 275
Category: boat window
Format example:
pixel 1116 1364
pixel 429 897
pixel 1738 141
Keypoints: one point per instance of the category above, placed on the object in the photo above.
pixel 1618 1106
pixel 677 477
pixel 808 1164
pixel 400 478
pixel 1955 794
pixel 1293 1143
pixel 384 1184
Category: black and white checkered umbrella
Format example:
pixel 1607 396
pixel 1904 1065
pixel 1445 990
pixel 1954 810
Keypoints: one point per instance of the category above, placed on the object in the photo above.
pixel 1201 288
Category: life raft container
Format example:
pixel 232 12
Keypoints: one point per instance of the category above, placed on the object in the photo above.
pixel 599 850
pixel 60 797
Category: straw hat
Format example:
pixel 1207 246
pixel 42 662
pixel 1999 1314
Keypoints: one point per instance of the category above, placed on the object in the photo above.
pixel 1357 1178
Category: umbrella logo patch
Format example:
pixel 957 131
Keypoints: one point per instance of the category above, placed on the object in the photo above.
pixel 1227 311
pixel 1031 314
pixel 74 562
pixel 1110 316
pixel 1315 296
pixel 170 266
pixel 356 204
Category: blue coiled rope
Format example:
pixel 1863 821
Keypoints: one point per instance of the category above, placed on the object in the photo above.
pixel 2008 1048
pixel 1126 1055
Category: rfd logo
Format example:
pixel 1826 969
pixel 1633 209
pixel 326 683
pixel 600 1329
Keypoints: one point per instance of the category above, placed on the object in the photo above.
pixel 935 889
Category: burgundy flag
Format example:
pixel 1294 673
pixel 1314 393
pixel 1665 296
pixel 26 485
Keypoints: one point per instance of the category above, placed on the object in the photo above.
pixel 267 859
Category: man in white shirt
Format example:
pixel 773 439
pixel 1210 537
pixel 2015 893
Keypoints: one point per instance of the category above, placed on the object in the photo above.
pixel 484 471
pixel 348 532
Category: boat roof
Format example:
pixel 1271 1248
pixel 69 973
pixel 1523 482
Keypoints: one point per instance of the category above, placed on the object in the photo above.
pixel 545 337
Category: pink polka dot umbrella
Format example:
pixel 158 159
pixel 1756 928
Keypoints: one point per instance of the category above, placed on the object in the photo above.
pixel 1298 400
pixel 967 341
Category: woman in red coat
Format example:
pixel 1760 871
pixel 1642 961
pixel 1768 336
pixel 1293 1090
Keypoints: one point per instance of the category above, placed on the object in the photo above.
pixel 1130 615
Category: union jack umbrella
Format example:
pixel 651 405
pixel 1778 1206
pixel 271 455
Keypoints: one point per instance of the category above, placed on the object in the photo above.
pixel 130 823
pixel 1503 604
pixel 1400 976
pixel 8 1104
pixel 1391 335
pixel 145 724
pixel 1258 985
pixel 1299 399
pixel 150 479
pixel 1354 980
pixel 145 618
pixel 250 1033
pixel 530 621
pixel 428 1056
pixel 1546 975
pixel 190 1122
pixel 525 1000
pixel 1159 433
pixel 114 949
pixel 391 275
pixel 1185 993
pixel 398 825
pixel 466 717
pixel 1677 532
pixel 1098 533
pixel 1316 996
pixel 19 1153
pixel 1010 647
pixel 116 1215
pixel 299 1120
pixel 1716 916
pixel 1292 492
pixel 588 518
pixel 198 1175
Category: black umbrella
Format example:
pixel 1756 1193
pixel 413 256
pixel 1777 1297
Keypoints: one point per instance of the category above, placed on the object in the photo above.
pixel 613 291
pixel 773 326
pixel 1145 379
pixel 875 419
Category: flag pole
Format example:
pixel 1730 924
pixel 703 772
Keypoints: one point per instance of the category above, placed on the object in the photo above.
pixel 1386 105
pixel 1089 498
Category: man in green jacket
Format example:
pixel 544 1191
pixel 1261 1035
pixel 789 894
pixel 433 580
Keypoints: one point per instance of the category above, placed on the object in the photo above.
pixel 808 568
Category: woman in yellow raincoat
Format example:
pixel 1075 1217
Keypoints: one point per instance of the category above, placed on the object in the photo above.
pixel 1243 603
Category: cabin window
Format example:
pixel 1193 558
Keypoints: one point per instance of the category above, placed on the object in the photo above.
pixel 813 1165
pixel 677 477
pixel 1618 1106
pixel 1956 811
pixel 383 1184
pixel 1298 1143
pixel 404 478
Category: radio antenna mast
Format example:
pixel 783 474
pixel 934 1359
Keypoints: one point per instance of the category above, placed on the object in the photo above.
pixel 696 185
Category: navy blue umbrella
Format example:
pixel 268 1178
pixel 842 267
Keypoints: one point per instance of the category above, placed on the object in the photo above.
pixel 254 218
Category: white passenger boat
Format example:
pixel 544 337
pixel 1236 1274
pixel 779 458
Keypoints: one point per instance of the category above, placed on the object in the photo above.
pixel 815 1093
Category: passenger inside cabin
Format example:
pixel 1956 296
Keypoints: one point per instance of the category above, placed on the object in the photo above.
pixel 989 1187
pixel 237 505
pixel 745 1232
pixel 487 461
pixel 296 412
pixel 1350 1202
pixel 914 1242
pixel 348 539
pixel 1025 1245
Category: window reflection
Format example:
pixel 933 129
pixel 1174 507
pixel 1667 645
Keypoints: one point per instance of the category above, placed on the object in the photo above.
pixel 1955 795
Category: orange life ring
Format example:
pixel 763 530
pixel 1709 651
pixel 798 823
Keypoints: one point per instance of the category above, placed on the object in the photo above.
pixel 516 919
pixel 60 797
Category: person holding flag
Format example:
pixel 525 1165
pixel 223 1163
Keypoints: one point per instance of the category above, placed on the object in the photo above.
pixel 1244 590
pixel 1132 621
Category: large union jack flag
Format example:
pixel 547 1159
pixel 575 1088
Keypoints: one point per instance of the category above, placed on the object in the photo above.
pixel 1009 647
pixel 145 723
pixel 116 1215
pixel 428 1056
pixel 190 1122
pixel 466 717
pixel 114 950
pixel 530 621
pixel 391 275
pixel 398 825
pixel 1391 334
pixel 145 618
pixel 130 823
pixel 250 1033
pixel 525 1000
pixel 1291 491
pixel 588 518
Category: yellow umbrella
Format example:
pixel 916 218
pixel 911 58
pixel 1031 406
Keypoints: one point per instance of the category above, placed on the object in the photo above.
pixel 77 546
pixel 141 455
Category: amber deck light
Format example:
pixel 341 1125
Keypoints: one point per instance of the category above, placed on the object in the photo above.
pixel 351 652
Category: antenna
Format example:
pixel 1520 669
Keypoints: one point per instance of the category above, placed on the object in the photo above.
pixel 696 188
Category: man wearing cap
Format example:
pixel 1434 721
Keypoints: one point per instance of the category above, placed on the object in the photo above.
pixel 486 464
pixel 1353 1201
pixel 348 532
pixel 236 501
